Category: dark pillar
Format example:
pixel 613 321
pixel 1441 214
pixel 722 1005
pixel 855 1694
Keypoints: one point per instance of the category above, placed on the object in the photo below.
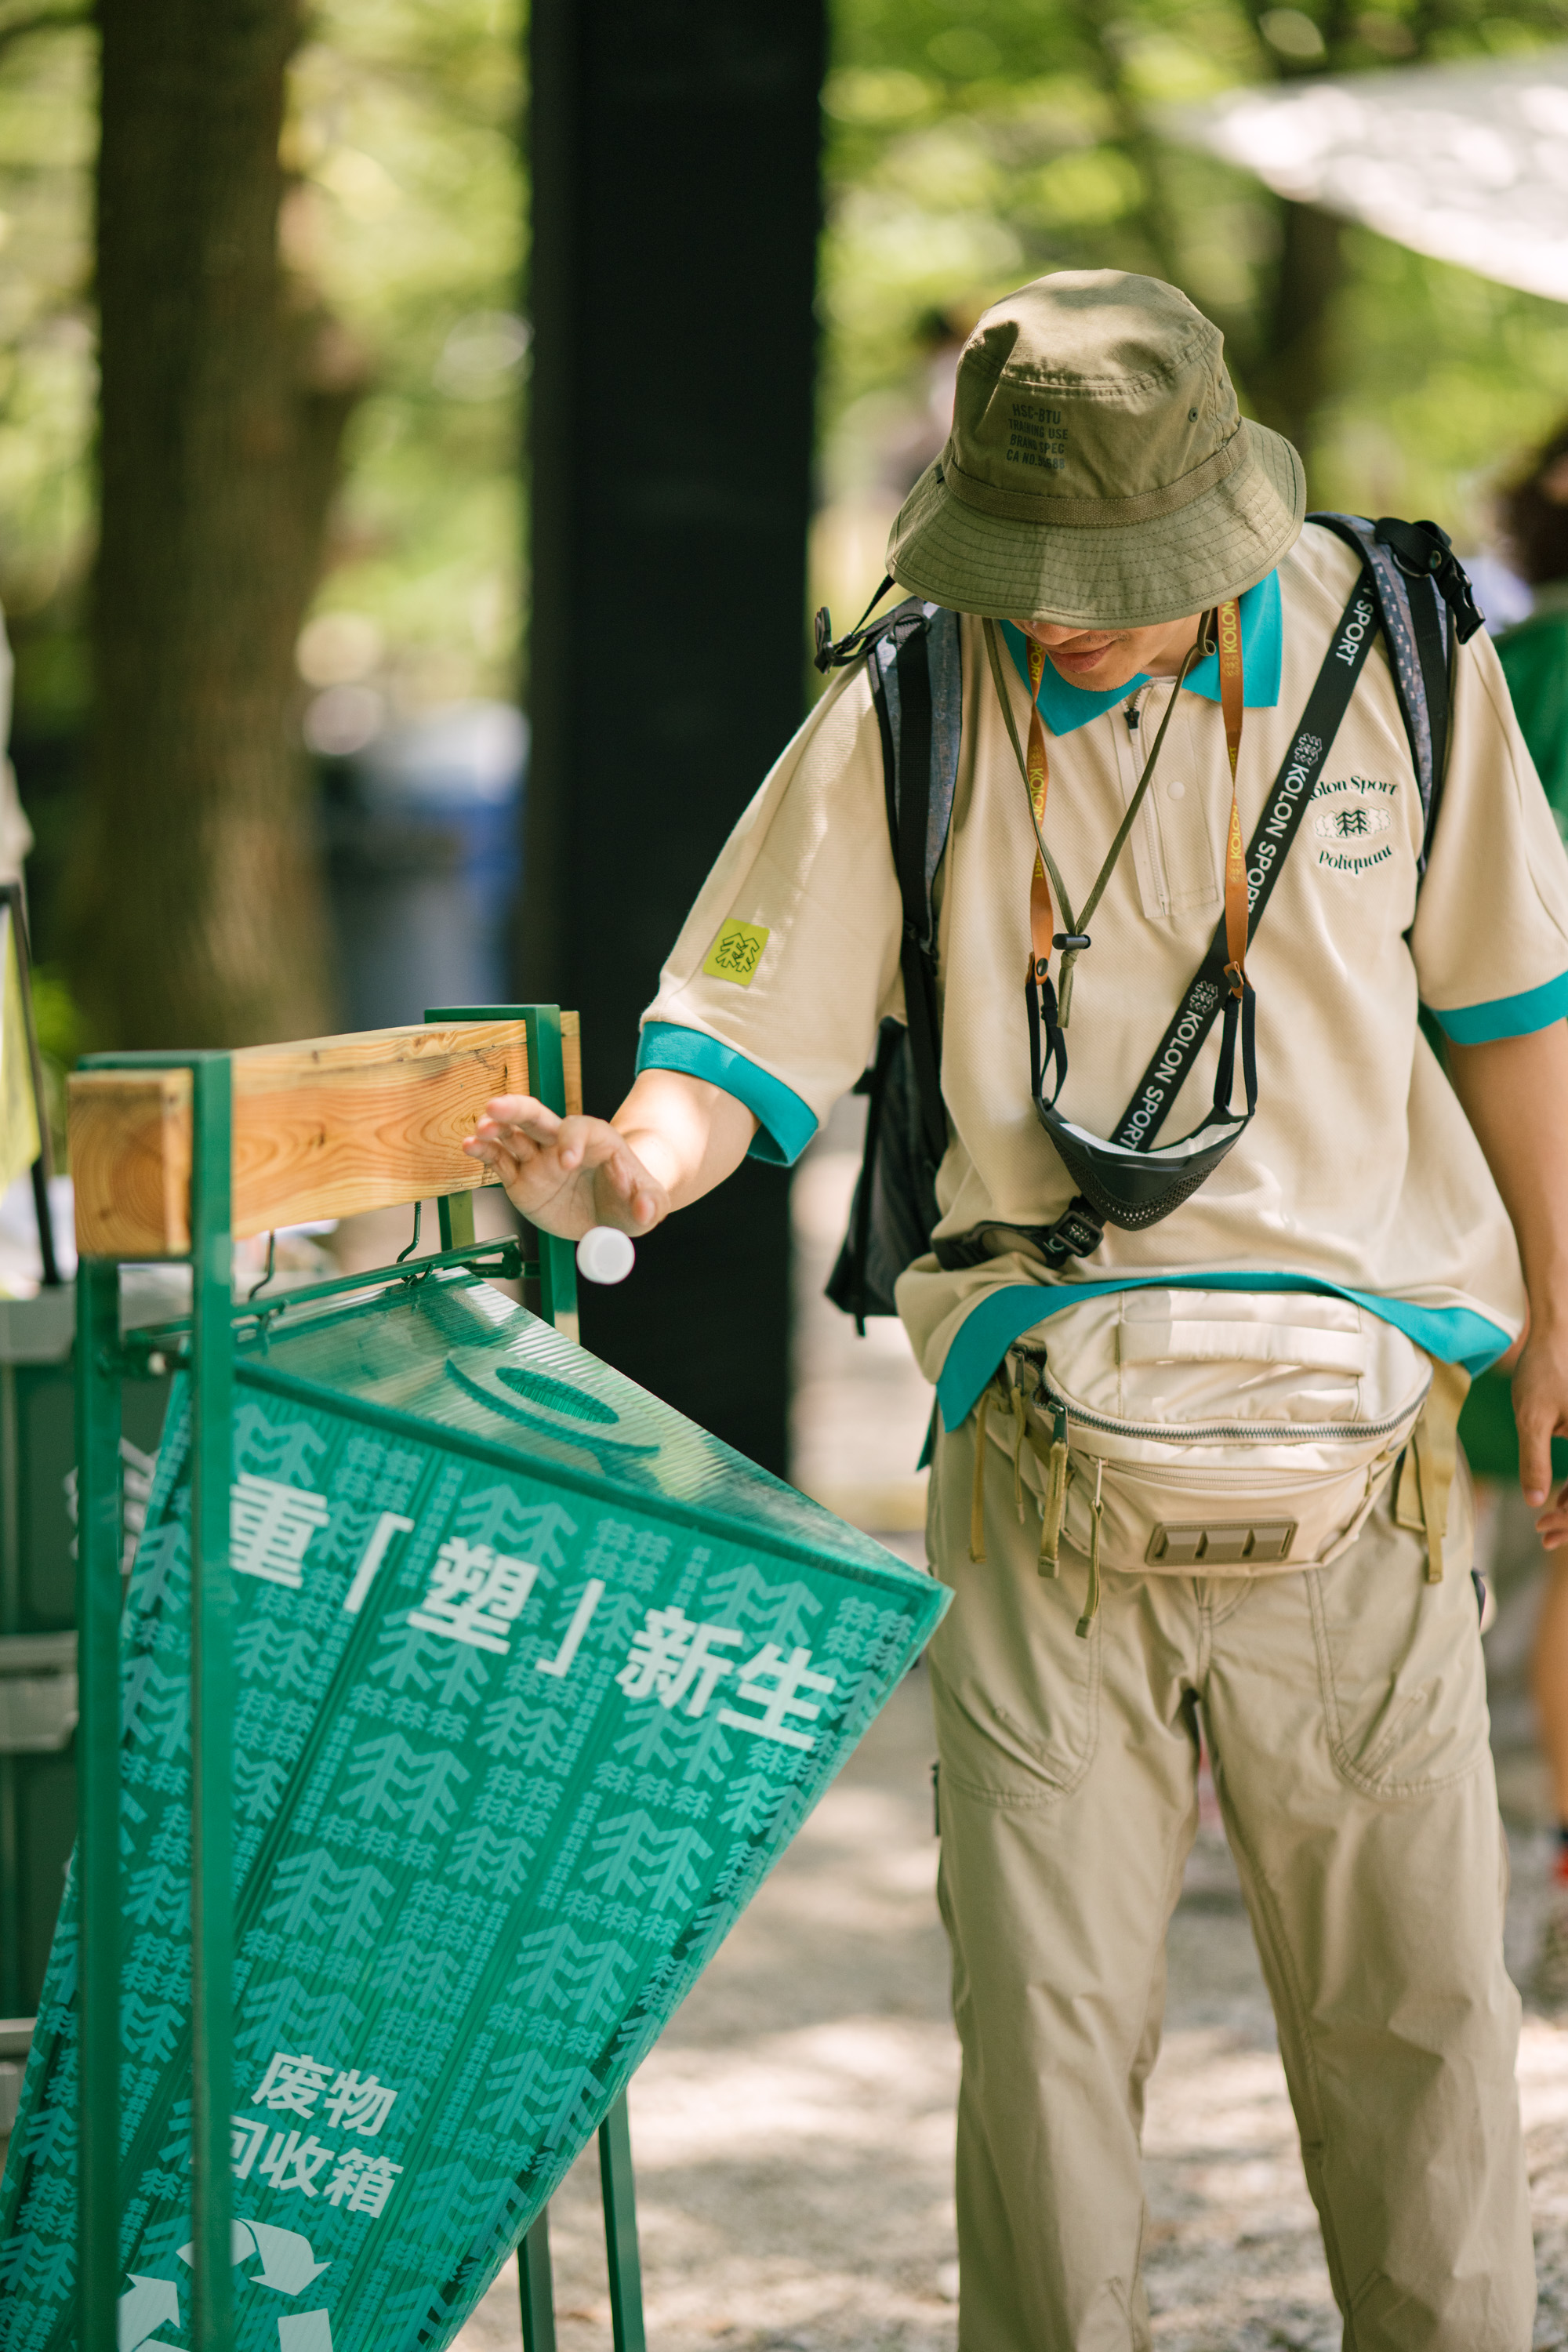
pixel 674 151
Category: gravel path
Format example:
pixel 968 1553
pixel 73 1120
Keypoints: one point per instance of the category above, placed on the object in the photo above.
pixel 793 2131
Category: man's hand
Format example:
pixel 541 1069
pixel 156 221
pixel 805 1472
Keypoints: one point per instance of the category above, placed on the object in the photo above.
pixel 1541 1413
pixel 566 1175
pixel 1515 1094
pixel 672 1139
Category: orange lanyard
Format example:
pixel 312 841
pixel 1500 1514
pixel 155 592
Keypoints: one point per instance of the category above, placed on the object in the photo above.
pixel 1237 908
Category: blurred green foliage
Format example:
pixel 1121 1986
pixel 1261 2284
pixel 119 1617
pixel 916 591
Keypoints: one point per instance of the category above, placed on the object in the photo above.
pixel 406 212
pixel 969 143
pixel 974 143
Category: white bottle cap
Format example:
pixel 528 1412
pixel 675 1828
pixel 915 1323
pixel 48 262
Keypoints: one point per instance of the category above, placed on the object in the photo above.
pixel 605 1255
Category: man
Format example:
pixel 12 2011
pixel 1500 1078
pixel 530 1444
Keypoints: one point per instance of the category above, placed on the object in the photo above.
pixel 1099 494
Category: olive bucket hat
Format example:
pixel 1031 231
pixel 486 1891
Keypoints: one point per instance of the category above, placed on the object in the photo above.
pixel 1098 473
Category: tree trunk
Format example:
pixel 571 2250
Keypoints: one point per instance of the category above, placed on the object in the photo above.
pixel 198 900
pixel 1291 378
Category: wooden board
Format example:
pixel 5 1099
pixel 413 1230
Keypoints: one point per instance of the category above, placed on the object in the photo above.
pixel 325 1127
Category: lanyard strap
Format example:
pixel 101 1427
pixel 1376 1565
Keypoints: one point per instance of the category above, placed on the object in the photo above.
pixel 1035 772
pixel 1283 813
pixel 1230 699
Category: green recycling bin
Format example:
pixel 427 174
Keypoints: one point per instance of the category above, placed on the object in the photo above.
pixel 536 1680
pixel 38 1606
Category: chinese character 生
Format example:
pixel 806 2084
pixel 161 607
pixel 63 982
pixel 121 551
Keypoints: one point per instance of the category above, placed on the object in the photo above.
pixel 770 1680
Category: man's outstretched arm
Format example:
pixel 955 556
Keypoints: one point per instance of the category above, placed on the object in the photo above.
pixel 1515 1095
pixel 672 1139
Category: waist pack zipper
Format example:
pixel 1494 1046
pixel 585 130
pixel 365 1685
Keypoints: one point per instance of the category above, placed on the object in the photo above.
pixel 1164 1433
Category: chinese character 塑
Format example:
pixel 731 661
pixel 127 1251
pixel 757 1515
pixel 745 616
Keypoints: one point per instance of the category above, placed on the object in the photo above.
pixel 476 1595
pixel 293 2163
pixel 293 2084
pixel 270 1526
pixel 671 1656
pixel 770 1680
pixel 363 2182
pixel 360 2105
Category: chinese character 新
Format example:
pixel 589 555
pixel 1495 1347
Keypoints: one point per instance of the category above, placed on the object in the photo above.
pixel 359 2106
pixel 292 2084
pixel 670 1656
pixel 770 1680
pixel 361 2181
pixel 476 1595
pixel 270 1525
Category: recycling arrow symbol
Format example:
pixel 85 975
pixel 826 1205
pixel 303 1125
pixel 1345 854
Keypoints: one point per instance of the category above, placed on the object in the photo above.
pixel 149 2304
pixel 289 2266
pixel 288 2261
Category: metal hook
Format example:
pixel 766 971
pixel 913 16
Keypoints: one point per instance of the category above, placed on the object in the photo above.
pixel 271 1261
pixel 418 1212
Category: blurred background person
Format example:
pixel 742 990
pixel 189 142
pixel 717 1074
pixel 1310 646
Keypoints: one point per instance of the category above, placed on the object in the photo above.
pixel 1534 656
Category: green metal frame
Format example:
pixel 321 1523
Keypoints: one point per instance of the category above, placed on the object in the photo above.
pixel 204 1342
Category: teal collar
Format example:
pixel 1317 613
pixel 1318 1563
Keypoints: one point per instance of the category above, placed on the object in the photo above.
pixel 1063 708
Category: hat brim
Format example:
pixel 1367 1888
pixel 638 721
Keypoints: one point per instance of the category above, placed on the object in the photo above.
pixel 1133 577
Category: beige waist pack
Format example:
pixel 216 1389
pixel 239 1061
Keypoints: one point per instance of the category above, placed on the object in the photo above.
pixel 1219 1432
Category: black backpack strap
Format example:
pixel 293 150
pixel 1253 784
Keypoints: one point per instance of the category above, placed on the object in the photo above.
pixel 1428 611
pixel 915 685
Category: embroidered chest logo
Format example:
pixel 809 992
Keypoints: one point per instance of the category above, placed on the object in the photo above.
pixel 1350 821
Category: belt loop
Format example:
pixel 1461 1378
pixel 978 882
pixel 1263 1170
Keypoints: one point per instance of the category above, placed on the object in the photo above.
pixel 1054 1509
pixel 1092 1603
pixel 977 1499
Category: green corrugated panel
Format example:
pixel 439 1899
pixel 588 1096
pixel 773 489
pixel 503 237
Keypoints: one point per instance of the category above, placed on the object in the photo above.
pixel 536 1682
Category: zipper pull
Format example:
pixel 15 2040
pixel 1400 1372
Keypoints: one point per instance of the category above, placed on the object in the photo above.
pixel 1131 714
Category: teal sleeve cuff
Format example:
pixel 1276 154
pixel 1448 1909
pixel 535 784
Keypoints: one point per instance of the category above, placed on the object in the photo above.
pixel 786 1126
pixel 1506 1016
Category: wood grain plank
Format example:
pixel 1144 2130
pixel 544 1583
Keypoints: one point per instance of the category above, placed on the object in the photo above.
pixel 130 1163
pixel 322 1127
pixel 572 1060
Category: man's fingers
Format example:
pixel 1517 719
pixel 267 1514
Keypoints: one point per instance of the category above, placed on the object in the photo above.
pixel 1535 1457
pixel 521 1115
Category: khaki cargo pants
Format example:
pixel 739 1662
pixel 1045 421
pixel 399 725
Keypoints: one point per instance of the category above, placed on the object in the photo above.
pixel 1345 1714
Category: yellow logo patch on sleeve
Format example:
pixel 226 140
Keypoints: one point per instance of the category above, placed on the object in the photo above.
pixel 736 952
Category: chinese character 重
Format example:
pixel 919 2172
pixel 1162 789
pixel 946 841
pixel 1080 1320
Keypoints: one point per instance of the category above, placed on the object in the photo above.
pixel 270 1526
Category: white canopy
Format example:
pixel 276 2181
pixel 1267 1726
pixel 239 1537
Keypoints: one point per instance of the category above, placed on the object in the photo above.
pixel 1467 163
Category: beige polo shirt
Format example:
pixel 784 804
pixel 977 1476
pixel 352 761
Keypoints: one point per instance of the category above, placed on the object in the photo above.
pixel 1359 1174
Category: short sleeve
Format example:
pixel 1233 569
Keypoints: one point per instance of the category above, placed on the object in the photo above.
pixel 1490 935
pixel 790 956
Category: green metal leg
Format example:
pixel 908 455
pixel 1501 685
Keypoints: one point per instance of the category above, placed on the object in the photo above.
pixel 619 2191
pixel 212 1713
pixel 536 2288
pixel 97 1767
pixel 557 1305
pixel 557 1258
